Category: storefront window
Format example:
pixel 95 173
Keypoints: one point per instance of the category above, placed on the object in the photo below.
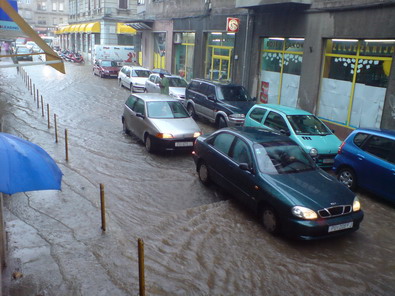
pixel 281 63
pixel 218 58
pixel 354 82
pixel 183 55
pixel 159 50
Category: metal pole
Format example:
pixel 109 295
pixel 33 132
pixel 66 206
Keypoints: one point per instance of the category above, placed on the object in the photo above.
pixel 42 106
pixel 66 143
pixel 31 88
pixel 38 104
pixel 141 266
pixel 34 92
pixel 49 124
pixel 56 128
pixel 103 208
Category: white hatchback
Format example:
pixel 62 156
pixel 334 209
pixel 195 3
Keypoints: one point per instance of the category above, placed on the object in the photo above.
pixel 133 77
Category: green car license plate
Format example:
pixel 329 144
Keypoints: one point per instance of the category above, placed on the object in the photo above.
pixel 328 160
pixel 340 227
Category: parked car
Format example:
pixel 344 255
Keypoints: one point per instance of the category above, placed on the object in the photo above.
pixel 161 122
pixel 30 44
pixel 107 68
pixel 23 50
pixel 224 104
pixel 366 159
pixel 160 71
pixel 133 77
pixel 177 85
pixel 301 126
pixel 274 177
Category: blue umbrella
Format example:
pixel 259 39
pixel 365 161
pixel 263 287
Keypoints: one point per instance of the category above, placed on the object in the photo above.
pixel 24 166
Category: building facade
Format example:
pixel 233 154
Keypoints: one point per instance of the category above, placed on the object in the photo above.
pixel 98 22
pixel 44 16
pixel 330 57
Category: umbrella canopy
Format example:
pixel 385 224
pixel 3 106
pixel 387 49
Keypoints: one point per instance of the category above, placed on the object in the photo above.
pixel 24 166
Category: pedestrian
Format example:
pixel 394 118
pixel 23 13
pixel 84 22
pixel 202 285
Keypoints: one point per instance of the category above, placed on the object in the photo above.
pixel 164 84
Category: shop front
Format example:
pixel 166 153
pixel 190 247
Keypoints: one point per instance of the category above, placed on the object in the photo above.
pixel 280 67
pixel 354 81
pixel 183 49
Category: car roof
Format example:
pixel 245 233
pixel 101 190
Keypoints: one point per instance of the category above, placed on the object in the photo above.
pixel 136 67
pixel 284 109
pixel 377 132
pixel 218 83
pixel 258 134
pixel 154 97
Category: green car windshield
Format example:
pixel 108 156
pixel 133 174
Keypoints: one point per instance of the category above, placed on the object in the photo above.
pixel 282 158
pixel 166 110
pixel 307 125
pixel 233 93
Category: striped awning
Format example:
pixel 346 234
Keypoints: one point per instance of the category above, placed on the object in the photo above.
pixel 125 29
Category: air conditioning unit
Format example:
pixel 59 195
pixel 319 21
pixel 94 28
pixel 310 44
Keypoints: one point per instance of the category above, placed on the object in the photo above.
pixel 177 38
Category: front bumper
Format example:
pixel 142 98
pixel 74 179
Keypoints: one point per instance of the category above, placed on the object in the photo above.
pixel 319 229
pixel 325 160
pixel 173 144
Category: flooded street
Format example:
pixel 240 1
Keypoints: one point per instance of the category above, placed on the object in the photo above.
pixel 198 240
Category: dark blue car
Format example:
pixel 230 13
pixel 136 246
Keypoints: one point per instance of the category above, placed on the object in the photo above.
pixel 280 182
pixel 366 159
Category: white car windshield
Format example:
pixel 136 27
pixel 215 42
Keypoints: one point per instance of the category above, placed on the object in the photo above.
pixel 282 158
pixel 166 109
pixel 141 73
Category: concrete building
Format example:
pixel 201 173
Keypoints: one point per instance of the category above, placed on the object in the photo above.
pixel 44 16
pixel 330 57
pixel 98 22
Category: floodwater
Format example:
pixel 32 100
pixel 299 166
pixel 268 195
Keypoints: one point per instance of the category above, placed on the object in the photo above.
pixel 198 240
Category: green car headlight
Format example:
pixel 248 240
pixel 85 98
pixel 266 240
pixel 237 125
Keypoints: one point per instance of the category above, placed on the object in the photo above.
pixel 356 205
pixel 304 213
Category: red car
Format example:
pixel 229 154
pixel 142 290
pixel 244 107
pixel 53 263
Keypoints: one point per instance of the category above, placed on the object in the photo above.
pixel 106 68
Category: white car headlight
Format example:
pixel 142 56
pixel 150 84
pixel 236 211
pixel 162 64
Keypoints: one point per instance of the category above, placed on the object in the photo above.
pixel 313 152
pixel 304 213
pixel 356 205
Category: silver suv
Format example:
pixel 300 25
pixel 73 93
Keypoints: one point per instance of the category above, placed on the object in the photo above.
pixel 133 77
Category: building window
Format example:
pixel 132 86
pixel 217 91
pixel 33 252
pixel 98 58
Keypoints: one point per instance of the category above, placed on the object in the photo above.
pixel 41 5
pixel 141 2
pixel 54 4
pixel 55 21
pixel 61 6
pixel 218 55
pixel 41 21
pixel 184 47
pixel 355 80
pixel 281 64
pixel 123 4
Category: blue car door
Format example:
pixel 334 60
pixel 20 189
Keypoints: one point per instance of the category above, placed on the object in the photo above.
pixel 377 173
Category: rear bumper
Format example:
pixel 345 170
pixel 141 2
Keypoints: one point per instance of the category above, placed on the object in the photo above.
pixel 319 229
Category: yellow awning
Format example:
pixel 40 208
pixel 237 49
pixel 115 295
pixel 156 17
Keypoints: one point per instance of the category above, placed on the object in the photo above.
pixel 72 28
pixel 82 28
pixel 93 28
pixel 125 29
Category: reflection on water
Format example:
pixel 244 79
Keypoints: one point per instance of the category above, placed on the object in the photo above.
pixel 198 240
